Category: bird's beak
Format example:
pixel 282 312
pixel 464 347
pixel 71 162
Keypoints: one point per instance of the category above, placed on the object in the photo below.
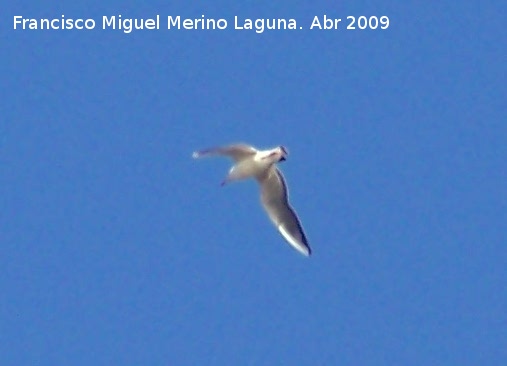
pixel 283 158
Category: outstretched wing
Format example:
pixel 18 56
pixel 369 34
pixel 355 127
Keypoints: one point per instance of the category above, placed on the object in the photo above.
pixel 274 198
pixel 237 152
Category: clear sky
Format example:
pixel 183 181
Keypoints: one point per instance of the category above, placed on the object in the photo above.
pixel 117 248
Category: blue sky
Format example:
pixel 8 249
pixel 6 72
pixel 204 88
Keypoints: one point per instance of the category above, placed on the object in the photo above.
pixel 119 248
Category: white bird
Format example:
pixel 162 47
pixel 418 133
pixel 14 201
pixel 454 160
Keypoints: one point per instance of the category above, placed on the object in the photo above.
pixel 261 165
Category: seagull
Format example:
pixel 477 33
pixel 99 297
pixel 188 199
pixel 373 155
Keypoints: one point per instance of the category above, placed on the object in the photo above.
pixel 261 165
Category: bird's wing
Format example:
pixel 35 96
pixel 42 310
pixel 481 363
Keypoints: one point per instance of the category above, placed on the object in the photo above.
pixel 237 152
pixel 275 199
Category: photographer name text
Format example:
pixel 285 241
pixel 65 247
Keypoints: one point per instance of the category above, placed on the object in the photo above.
pixel 171 22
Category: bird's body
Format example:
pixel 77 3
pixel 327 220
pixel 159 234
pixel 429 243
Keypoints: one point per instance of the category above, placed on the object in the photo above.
pixel 261 165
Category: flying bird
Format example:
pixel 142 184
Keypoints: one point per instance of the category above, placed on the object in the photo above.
pixel 261 165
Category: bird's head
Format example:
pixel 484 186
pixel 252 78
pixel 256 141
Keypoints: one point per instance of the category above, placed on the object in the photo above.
pixel 276 155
